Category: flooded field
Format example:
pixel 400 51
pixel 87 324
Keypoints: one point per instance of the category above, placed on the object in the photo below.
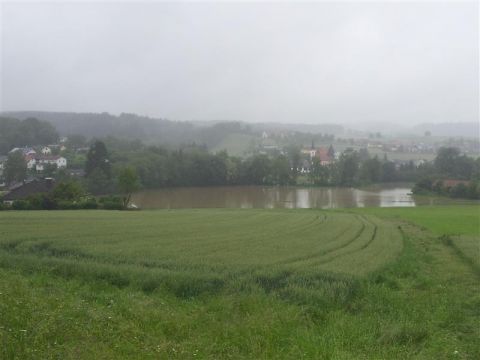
pixel 274 197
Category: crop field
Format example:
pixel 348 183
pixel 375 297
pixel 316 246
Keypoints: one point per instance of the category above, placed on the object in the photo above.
pixel 441 220
pixel 234 283
pixel 213 242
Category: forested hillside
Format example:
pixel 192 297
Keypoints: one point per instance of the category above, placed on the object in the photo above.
pixel 135 127
pixel 29 132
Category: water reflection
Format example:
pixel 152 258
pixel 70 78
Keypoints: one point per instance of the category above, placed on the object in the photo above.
pixel 247 197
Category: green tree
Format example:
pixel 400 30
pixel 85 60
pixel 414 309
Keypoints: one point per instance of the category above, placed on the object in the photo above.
pixel 98 158
pixel 98 169
pixel 348 168
pixel 76 141
pixel 389 172
pixel 281 172
pixel 15 168
pixel 370 170
pixel 127 184
pixel 98 183
pixel 16 133
pixel 258 170
pixel 363 154
pixel 295 158
pixel 319 174
pixel 68 191
pixel 446 159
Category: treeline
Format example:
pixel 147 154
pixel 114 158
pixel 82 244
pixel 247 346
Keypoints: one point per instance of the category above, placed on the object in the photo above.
pixel 194 166
pixel 453 174
pixel 190 166
pixel 354 168
pixel 28 132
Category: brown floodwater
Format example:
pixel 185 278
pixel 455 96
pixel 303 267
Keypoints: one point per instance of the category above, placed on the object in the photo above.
pixel 274 197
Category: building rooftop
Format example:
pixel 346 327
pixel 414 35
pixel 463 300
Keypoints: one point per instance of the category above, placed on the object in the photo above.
pixel 35 186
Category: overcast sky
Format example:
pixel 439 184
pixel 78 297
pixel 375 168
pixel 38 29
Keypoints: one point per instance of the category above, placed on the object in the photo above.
pixel 403 63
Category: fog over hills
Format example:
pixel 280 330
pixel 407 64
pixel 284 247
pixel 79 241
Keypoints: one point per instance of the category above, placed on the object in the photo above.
pixel 172 132
pixel 450 129
pixel 311 62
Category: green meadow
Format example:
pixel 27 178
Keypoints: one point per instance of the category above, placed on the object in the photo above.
pixel 240 284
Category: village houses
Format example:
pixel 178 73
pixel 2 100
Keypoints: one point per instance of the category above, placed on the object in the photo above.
pixel 324 155
pixel 39 161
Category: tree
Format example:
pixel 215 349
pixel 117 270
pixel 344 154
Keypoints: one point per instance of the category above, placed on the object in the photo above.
pixel 319 173
pixel 76 141
pixel 294 157
pixel 370 170
pixel 445 160
pixel 127 184
pixel 258 170
pixel 16 133
pixel 15 168
pixel 281 172
pixel 98 182
pixel 449 162
pixel 389 172
pixel 98 169
pixel 363 154
pixel 348 167
pixel 97 158
pixel 69 191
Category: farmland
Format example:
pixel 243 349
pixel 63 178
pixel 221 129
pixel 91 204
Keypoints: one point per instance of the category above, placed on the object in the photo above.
pixel 369 283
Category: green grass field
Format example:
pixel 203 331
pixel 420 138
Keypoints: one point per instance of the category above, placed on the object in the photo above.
pixel 362 284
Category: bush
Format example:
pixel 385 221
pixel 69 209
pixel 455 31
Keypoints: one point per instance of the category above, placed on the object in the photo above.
pixel 68 205
pixel 423 186
pixel 89 204
pixel 21 205
pixel 111 203
pixel 46 202
pixel 42 202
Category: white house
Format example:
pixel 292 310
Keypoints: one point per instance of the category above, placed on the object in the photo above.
pixel 57 160
pixel 46 150
pixel 39 162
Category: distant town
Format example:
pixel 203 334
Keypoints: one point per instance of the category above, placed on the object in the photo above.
pixel 224 153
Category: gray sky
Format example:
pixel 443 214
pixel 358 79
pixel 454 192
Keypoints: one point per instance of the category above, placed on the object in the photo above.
pixel 402 63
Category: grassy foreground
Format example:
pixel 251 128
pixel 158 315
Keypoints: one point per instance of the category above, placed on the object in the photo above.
pixel 366 284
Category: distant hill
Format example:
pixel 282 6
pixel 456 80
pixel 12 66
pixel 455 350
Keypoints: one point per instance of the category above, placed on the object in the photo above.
pixel 129 126
pixel 468 129
pixel 132 127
